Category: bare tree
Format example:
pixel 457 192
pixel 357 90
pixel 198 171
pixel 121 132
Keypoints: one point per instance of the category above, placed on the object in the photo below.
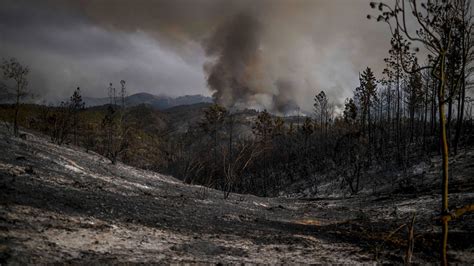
pixel 13 70
pixel 438 23
pixel 467 57
pixel 234 166
pixel 263 129
pixel 321 109
pixel 60 123
pixel 307 130
pixel 117 133
pixel 214 118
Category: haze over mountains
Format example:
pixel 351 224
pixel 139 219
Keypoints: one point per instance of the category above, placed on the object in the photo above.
pixel 159 102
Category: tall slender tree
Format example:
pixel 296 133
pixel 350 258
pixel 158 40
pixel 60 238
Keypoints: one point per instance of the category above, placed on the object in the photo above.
pixel 123 93
pixel 414 96
pixel 350 111
pixel 366 94
pixel 436 23
pixel 13 70
pixel 263 130
pixel 214 119
pixel 321 109
pixel 75 106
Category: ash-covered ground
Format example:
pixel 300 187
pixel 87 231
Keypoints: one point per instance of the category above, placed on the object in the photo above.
pixel 60 204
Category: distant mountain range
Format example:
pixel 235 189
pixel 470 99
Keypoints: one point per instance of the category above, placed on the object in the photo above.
pixel 155 101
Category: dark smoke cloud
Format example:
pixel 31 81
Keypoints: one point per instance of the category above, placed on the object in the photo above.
pixel 252 45
pixel 234 75
pixel 65 48
pixel 283 100
pixel 258 53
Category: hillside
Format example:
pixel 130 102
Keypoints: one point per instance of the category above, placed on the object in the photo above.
pixel 159 102
pixel 61 204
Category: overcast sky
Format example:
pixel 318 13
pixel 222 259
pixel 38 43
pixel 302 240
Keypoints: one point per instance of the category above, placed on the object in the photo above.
pixel 282 49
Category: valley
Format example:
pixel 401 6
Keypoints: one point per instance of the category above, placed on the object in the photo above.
pixel 62 204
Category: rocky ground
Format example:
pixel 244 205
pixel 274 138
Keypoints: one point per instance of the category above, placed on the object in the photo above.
pixel 61 204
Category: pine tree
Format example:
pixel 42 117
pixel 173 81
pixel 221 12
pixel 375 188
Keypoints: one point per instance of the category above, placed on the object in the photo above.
pixel 214 118
pixel 321 109
pixel 123 93
pixel 75 106
pixel 366 94
pixel 414 95
pixel 263 130
pixel 350 111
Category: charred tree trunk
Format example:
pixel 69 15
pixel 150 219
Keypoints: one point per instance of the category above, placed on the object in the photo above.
pixel 445 156
pixel 462 96
pixel 460 118
pixel 17 111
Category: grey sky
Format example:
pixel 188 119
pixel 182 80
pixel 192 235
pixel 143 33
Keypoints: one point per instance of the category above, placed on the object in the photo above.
pixel 158 46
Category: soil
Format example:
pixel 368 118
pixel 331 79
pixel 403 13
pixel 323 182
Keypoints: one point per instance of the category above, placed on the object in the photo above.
pixel 60 204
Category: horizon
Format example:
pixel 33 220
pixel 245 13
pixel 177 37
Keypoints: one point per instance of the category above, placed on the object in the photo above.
pixel 237 131
pixel 179 49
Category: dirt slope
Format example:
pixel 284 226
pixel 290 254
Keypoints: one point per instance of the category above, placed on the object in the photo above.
pixel 60 204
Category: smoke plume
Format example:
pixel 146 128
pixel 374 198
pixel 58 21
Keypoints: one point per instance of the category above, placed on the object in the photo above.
pixel 234 76
pixel 273 54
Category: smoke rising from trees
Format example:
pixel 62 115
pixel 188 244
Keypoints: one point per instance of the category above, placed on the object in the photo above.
pixel 265 54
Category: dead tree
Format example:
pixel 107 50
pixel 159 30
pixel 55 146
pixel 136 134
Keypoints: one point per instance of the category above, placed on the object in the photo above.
pixel 234 166
pixel 13 70
pixel 438 25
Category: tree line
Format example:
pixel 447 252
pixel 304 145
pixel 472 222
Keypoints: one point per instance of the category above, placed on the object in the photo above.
pixel 420 106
